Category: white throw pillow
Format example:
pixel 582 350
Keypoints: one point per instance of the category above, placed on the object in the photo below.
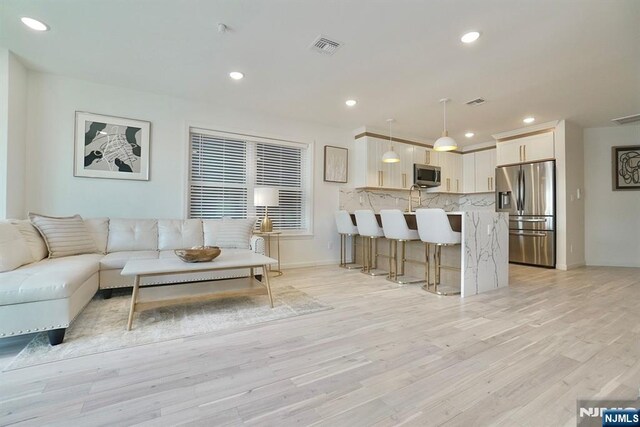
pixel 32 236
pixel 64 236
pixel 229 233
pixel 14 250
pixel 99 230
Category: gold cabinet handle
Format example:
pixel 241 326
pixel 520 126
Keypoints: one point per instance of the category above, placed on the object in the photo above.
pixel 379 178
pixel 520 153
pixel 488 183
pixel 448 184
pixel 524 153
pixel 457 185
pixel 427 157
pixel 404 180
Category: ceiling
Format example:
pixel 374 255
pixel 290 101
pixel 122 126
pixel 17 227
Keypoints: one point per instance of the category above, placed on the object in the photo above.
pixel 573 59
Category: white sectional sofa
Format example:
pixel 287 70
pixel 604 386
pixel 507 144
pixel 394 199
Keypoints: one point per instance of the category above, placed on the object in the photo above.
pixel 47 294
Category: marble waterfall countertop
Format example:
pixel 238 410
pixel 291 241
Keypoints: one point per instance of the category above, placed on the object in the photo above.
pixel 483 255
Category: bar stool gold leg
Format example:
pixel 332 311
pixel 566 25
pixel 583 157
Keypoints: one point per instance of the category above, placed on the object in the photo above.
pixel 437 260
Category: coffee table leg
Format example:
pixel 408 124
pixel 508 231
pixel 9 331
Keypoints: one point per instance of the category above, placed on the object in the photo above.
pixel 265 272
pixel 134 297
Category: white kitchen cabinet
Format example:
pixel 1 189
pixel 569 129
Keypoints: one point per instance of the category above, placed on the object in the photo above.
pixel 484 170
pixel 469 173
pixel 370 171
pixel 426 156
pixel 526 149
pixel 452 174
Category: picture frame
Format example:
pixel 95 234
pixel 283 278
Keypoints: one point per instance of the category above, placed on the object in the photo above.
pixel 626 167
pixel 111 147
pixel 336 164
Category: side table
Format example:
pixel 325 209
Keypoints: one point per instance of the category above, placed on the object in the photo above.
pixel 268 236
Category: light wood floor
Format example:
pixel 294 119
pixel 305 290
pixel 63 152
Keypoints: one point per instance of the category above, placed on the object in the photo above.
pixel 385 355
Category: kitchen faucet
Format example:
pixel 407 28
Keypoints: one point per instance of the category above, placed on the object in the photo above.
pixel 417 187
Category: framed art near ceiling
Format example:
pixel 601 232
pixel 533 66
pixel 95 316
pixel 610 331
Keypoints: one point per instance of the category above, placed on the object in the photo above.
pixel 626 167
pixel 336 164
pixel 111 147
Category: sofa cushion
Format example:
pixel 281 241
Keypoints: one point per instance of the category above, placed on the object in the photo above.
pixel 117 260
pixel 14 250
pixel 47 279
pixel 179 234
pixel 132 235
pixel 228 232
pixel 99 230
pixel 64 236
pixel 33 238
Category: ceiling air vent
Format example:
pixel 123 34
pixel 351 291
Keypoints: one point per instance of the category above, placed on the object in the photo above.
pixel 325 45
pixel 477 101
pixel 627 119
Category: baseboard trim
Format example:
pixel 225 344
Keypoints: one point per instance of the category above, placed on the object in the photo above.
pixel 611 264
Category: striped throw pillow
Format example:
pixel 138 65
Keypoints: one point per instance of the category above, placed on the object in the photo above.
pixel 230 233
pixel 64 236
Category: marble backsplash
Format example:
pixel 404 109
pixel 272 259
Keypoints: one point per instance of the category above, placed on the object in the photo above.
pixel 351 199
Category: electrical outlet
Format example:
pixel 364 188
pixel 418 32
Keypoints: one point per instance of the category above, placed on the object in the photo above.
pixel 360 199
pixel 578 194
pixel 397 201
pixel 489 229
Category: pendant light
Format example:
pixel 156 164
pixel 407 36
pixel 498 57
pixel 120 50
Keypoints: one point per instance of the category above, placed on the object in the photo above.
pixel 390 156
pixel 445 142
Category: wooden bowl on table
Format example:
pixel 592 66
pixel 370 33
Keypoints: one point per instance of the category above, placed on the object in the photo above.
pixel 198 254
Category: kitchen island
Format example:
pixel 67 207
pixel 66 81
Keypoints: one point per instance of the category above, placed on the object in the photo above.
pixel 483 255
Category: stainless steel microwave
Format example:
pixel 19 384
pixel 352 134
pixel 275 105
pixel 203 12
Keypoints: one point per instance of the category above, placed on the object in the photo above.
pixel 426 175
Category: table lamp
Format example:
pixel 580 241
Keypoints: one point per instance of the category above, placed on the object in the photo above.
pixel 266 196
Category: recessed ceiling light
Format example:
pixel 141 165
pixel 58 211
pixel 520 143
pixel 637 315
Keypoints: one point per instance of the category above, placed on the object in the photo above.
pixel 236 75
pixel 34 24
pixel 529 120
pixel 351 102
pixel 470 37
pixel 469 134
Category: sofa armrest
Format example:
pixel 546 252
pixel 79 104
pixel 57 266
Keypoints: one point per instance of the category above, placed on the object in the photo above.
pixel 257 244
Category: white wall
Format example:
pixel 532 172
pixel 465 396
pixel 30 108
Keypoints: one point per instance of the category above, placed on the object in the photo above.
pixel 13 109
pixel 52 188
pixel 612 225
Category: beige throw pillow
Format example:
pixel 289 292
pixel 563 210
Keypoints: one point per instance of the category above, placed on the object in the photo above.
pixel 64 236
pixel 14 251
pixel 34 239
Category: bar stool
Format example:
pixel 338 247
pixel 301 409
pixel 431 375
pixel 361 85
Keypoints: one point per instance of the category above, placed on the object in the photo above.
pixel 370 231
pixel 434 228
pixel 346 229
pixel 396 230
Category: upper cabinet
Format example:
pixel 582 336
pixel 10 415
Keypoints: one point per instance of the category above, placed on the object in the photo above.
pixel 485 165
pixel 425 156
pixel 526 149
pixel 370 171
pixel 451 170
pixel 479 169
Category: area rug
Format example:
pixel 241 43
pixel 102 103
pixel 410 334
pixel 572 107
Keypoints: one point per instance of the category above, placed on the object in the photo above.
pixel 100 326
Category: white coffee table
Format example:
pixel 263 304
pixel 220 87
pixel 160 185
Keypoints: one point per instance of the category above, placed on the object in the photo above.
pixel 155 296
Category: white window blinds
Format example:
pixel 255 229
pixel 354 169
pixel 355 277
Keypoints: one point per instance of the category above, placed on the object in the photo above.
pixel 225 171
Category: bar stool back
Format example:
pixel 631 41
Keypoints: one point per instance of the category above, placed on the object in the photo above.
pixel 434 229
pixel 370 231
pixel 346 228
pixel 397 231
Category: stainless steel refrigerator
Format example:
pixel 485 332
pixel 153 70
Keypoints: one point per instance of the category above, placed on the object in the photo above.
pixel 528 192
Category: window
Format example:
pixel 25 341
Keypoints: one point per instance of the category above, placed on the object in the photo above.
pixel 225 169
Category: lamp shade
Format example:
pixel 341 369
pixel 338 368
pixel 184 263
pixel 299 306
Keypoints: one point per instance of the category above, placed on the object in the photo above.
pixel 390 157
pixel 266 196
pixel 445 143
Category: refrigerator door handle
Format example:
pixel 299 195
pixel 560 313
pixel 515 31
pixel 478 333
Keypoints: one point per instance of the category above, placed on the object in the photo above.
pixel 523 192
pixel 528 233
pixel 519 195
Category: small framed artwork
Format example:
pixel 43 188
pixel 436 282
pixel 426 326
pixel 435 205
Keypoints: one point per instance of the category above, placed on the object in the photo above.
pixel 111 147
pixel 336 164
pixel 626 167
